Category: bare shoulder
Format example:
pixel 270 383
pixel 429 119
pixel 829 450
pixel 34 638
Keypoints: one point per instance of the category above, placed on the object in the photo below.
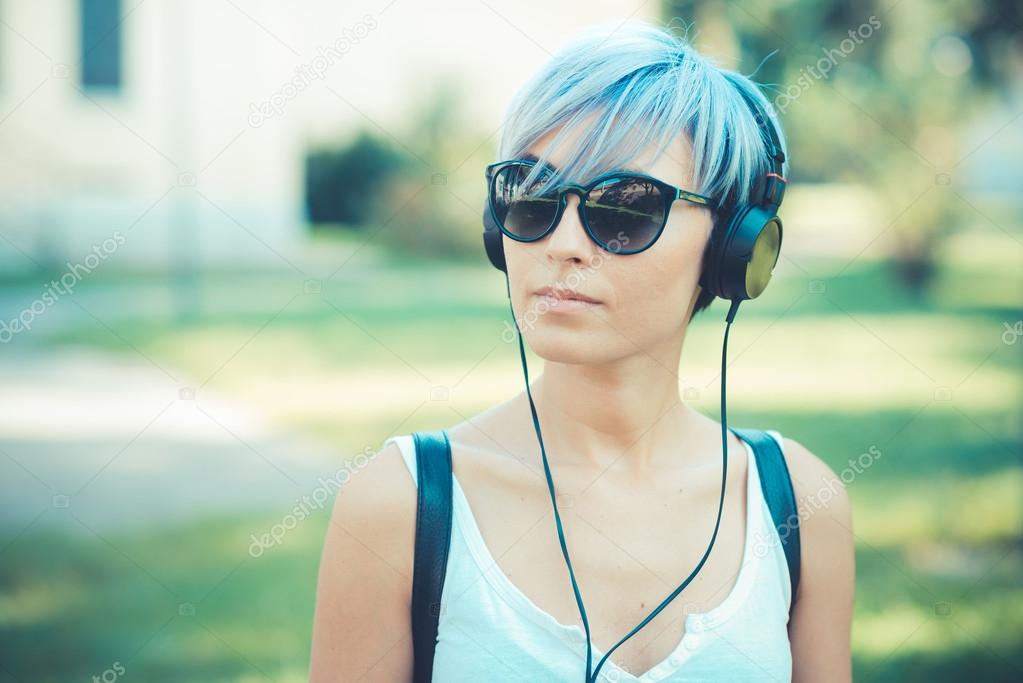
pixel 377 507
pixel 821 623
pixel 361 629
pixel 818 489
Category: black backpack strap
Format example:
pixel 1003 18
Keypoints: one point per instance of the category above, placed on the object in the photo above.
pixel 433 538
pixel 781 498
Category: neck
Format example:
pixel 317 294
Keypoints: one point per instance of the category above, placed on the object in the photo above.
pixel 627 413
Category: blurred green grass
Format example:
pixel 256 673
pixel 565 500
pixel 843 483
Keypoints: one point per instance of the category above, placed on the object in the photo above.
pixel 937 518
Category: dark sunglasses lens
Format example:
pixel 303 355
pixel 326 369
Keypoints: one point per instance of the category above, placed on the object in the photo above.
pixel 626 214
pixel 525 212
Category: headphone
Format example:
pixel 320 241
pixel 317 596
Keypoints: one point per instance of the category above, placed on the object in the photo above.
pixel 737 265
pixel 738 259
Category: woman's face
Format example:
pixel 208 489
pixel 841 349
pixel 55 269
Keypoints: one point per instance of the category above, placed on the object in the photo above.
pixel 644 299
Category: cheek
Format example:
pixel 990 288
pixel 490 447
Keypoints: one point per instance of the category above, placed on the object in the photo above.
pixel 651 297
pixel 664 277
pixel 523 268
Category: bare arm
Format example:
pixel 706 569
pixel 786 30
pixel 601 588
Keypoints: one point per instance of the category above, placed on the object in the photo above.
pixel 821 625
pixel 361 631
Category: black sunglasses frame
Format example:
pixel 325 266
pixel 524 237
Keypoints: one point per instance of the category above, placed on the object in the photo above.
pixel 670 193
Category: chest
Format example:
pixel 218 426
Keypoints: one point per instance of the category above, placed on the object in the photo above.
pixel 630 547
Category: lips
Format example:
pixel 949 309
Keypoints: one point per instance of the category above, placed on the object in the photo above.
pixel 565 295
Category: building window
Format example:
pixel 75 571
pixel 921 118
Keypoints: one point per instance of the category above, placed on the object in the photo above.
pixel 101 43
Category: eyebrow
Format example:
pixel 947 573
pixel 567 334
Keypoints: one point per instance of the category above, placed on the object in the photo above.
pixel 529 156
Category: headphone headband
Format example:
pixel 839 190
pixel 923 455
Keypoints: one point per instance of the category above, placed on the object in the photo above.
pixel 746 240
pixel 770 189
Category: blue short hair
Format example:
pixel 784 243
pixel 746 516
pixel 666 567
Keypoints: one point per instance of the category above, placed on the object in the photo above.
pixel 642 85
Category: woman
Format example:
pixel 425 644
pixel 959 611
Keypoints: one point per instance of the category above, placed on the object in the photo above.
pixel 638 471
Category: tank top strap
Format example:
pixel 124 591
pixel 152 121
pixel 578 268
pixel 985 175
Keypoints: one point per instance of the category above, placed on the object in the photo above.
pixel 776 435
pixel 770 538
pixel 407 447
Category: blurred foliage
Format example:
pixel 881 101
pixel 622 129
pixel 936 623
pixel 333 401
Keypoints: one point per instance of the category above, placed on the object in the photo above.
pixel 344 185
pixel 415 189
pixel 875 93
pixel 869 93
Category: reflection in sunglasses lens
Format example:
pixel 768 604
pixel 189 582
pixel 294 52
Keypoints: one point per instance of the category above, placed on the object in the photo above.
pixel 624 214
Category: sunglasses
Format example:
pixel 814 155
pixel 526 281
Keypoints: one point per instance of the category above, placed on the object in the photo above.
pixel 623 212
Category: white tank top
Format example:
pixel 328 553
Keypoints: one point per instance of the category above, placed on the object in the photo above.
pixel 490 631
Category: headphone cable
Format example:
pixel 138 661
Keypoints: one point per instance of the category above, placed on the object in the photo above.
pixel 591 676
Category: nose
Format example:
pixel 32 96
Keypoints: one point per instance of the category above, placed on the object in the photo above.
pixel 569 241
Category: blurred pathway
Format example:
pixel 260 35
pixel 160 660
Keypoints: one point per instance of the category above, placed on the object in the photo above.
pixel 96 440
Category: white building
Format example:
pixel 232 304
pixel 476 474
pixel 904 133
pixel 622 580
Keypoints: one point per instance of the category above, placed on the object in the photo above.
pixel 131 117
pixel 183 124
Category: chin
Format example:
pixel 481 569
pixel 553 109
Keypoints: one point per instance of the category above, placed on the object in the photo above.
pixel 566 345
